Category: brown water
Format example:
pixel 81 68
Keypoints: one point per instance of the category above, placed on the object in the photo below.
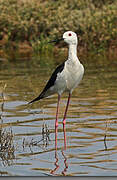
pixel 91 125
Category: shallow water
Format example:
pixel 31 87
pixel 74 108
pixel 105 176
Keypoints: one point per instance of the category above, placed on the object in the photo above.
pixel 91 124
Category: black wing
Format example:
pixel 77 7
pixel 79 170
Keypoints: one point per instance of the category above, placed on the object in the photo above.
pixel 50 83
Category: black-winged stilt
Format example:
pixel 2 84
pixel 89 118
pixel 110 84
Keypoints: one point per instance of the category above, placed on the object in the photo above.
pixel 66 76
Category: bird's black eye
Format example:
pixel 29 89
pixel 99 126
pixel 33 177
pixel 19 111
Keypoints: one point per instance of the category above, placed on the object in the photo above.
pixel 69 34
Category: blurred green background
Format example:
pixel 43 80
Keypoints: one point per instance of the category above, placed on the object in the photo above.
pixel 27 25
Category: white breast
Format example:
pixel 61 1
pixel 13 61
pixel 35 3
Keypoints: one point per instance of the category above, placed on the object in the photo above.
pixel 74 74
pixel 69 78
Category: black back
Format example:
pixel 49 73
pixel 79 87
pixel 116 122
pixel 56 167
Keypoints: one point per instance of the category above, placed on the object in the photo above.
pixel 51 82
pixel 53 77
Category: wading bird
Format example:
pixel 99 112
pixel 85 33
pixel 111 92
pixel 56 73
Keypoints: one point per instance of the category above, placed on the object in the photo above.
pixel 66 76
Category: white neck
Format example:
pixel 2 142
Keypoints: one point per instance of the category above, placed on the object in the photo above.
pixel 72 54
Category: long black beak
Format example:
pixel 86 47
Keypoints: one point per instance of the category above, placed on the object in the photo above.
pixel 56 41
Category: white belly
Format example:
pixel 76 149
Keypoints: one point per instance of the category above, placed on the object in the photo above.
pixel 69 78
pixel 74 74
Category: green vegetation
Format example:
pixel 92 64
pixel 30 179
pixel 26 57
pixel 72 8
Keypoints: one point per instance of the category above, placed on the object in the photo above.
pixel 26 25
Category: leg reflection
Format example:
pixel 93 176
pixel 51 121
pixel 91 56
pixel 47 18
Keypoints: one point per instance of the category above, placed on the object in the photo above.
pixel 56 163
pixel 65 163
pixel 56 156
pixel 57 166
pixel 65 158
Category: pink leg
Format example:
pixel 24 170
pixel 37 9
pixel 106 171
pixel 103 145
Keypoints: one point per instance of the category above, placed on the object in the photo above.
pixel 56 138
pixel 56 123
pixel 64 137
pixel 66 109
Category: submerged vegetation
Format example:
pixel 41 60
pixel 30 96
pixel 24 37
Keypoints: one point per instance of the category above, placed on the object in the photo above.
pixel 27 25
pixel 7 148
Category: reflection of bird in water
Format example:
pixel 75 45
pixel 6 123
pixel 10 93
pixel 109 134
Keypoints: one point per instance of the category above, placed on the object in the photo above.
pixel 57 165
pixel 66 164
pixel 56 156
pixel 66 76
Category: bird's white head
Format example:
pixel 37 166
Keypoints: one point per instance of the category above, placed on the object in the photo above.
pixel 70 37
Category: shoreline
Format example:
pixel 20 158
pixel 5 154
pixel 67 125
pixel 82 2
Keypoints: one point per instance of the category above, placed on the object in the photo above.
pixel 23 50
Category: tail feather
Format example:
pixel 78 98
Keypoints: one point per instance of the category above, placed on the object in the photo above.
pixel 37 98
pixel 42 95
